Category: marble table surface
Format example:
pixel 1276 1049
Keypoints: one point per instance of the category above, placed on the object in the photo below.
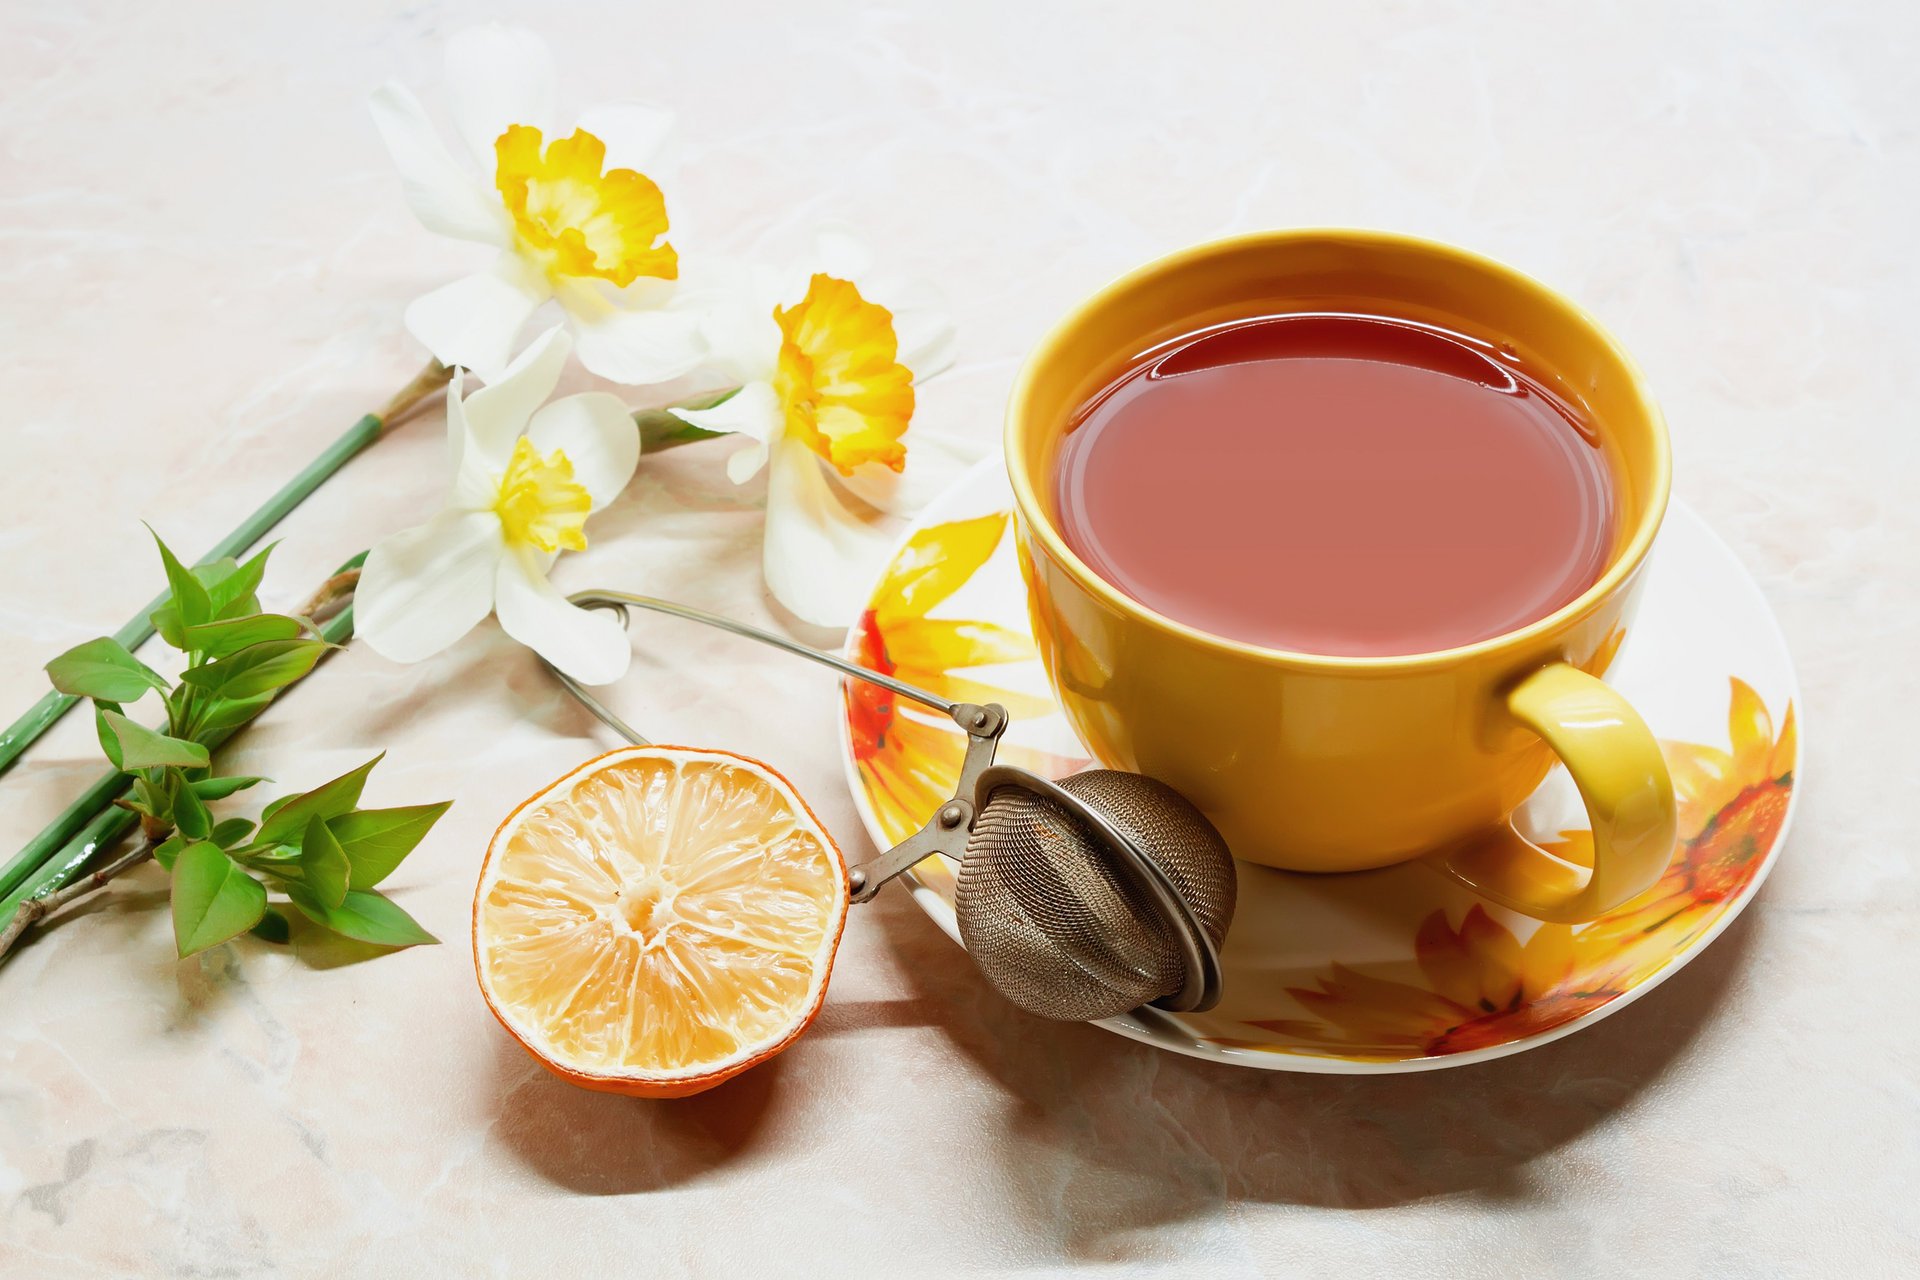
pixel 205 255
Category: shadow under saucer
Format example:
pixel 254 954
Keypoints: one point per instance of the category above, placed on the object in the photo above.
pixel 1126 1137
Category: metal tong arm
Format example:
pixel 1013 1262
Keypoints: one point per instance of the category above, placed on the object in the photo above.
pixel 621 601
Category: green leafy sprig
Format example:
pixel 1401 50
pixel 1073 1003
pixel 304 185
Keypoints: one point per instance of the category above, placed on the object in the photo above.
pixel 318 848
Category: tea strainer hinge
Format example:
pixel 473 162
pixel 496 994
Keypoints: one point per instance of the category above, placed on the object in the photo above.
pixel 946 832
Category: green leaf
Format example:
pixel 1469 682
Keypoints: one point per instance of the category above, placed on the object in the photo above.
pixel 167 850
pixel 102 668
pixel 144 748
pixel 109 743
pixel 229 832
pixel 214 899
pixel 375 840
pixel 273 927
pixel 230 713
pixel 190 600
pixel 166 621
pixel 148 799
pixel 364 914
pixel 323 864
pixel 286 818
pixel 221 788
pixel 189 810
pixel 218 639
pixel 258 668
pixel 214 572
pixel 234 596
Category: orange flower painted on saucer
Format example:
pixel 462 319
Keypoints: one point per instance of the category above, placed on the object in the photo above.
pixel 1482 987
pixel 908 759
pixel 1732 807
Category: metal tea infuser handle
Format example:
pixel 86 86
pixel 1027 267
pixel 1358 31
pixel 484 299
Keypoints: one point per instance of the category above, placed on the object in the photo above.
pixel 947 831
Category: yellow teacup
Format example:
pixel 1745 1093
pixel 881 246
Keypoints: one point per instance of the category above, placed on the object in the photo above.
pixel 1316 763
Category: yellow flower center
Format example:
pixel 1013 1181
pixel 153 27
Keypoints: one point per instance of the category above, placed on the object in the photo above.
pixel 575 219
pixel 840 386
pixel 540 503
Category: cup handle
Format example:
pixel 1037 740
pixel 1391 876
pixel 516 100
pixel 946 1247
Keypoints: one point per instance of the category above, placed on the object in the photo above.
pixel 1623 778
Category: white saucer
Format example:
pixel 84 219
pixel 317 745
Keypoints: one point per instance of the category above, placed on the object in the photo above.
pixel 1380 971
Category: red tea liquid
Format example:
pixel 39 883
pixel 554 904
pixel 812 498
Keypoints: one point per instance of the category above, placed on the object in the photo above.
pixel 1337 484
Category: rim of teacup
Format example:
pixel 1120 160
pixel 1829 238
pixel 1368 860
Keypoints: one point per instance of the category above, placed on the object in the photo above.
pixel 1020 424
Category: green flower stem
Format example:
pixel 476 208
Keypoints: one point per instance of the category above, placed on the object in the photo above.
pixel 65 829
pixel 92 823
pixel 660 430
pixel 41 715
pixel 103 832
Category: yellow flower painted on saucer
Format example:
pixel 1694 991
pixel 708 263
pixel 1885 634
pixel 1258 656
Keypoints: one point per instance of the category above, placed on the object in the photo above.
pixel 1483 987
pixel 540 503
pixel 840 385
pixel 575 220
pixel 1732 807
pixel 908 765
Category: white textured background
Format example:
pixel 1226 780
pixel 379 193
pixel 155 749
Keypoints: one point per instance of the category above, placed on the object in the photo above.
pixel 203 258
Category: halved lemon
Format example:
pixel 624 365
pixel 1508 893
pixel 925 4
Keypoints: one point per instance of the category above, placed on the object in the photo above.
pixel 659 920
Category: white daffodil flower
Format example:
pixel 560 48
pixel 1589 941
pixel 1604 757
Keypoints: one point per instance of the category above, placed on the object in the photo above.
pixel 826 370
pixel 574 219
pixel 525 478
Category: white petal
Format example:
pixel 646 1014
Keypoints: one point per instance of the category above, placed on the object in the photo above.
pixel 839 251
pixel 934 462
pixel 634 132
pixel 744 464
pixel 599 436
pixel 735 302
pixel 474 321
pixel 644 293
pixel 497 76
pixel 639 348
pixel 923 327
pixel 447 197
pixel 587 644
pixel 425 587
pixel 474 478
pixel 496 414
pixel 822 554
pixel 753 412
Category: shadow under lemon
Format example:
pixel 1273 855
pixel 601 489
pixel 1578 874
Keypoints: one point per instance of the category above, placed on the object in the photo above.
pixel 605 1144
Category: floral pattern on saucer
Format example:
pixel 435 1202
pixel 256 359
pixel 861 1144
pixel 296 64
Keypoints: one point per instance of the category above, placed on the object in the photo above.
pixel 907 757
pixel 1482 987
pixel 1384 971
